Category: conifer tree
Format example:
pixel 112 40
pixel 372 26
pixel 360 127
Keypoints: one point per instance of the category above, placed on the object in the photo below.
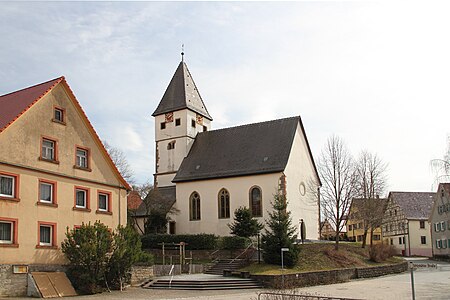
pixel 279 234
pixel 244 224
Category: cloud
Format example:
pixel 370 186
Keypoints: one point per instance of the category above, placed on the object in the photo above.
pixel 374 73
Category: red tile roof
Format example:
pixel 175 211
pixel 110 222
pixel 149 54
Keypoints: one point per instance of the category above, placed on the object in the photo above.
pixel 134 200
pixel 14 104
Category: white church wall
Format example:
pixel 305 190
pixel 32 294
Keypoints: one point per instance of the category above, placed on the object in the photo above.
pixel 238 187
pixel 299 171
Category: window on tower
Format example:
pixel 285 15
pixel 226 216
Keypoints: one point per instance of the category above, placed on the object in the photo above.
pixel 177 122
pixel 193 123
pixel 163 125
pixel 171 145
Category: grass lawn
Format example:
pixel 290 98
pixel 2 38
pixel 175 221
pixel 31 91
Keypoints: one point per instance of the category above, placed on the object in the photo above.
pixel 322 256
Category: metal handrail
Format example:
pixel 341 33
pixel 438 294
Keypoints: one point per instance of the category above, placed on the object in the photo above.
pixel 248 247
pixel 171 278
pixel 303 297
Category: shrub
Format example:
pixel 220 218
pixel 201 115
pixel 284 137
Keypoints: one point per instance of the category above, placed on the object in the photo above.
pixel 244 224
pixel 194 241
pixel 381 252
pixel 88 249
pixel 127 250
pixel 234 242
pixel 99 257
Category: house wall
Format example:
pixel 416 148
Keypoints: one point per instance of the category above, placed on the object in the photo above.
pixel 302 202
pixel 440 224
pixel 168 161
pixel 19 154
pixel 415 234
pixel 239 189
pixel 356 232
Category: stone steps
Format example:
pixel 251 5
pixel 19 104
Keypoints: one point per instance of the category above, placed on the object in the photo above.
pixel 225 264
pixel 222 284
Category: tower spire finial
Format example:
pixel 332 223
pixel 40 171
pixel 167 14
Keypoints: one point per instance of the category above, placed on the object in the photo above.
pixel 182 52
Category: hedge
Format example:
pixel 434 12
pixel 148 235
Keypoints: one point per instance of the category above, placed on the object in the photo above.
pixel 193 241
pixel 234 242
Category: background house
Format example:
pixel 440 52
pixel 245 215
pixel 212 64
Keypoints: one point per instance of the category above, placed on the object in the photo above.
pixel 327 231
pixel 440 222
pixel 365 214
pixel 405 222
pixel 55 175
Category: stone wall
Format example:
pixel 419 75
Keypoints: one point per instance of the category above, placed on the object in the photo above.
pixel 381 270
pixel 16 284
pixel 140 274
pixel 328 277
pixel 12 284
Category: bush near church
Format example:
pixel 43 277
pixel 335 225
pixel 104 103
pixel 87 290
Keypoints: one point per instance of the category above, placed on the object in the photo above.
pixel 99 258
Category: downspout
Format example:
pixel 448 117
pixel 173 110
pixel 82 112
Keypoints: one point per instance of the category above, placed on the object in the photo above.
pixel 120 207
pixel 318 202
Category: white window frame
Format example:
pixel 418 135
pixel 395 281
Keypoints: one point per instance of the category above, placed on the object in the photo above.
pixel 51 192
pixel 82 160
pixel 11 240
pixel 41 243
pixel 76 198
pixel 13 186
pixel 46 150
pixel 443 226
pixel 106 203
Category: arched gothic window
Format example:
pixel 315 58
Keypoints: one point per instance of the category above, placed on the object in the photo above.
pixel 224 204
pixel 256 201
pixel 194 206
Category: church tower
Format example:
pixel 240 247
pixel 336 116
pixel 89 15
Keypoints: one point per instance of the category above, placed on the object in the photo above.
pixel 180 115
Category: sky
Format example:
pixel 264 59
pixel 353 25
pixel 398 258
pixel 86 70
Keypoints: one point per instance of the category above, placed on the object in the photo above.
pixel 374 73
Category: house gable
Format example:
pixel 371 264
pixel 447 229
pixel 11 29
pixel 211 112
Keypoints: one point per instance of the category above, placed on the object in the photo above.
pixel 21 139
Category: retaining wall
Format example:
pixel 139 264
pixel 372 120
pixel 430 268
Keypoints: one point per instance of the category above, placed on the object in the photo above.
pixel 328 277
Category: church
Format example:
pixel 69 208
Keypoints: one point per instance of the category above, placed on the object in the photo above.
pixel 205 174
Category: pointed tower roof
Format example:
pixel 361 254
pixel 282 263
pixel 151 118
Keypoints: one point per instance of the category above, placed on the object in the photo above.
pixel 182 93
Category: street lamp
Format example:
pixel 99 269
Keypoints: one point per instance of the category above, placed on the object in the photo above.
pixel 282 266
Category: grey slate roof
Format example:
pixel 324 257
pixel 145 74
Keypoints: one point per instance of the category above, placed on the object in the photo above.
pixel 182 93
pixel 162 200
pixel 415 205
pixel 243 150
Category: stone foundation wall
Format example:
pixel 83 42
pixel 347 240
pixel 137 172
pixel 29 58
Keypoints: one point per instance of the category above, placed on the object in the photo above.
pixel 16 284
pixel 12 284
pixel 328 277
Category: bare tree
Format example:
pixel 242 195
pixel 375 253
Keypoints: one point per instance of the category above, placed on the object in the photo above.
pixel 370 183
pixel 337 173
pixel 121 162
pixel 441 167
pixel 143 189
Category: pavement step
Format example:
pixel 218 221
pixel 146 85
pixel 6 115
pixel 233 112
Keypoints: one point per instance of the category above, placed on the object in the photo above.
pixel 221 284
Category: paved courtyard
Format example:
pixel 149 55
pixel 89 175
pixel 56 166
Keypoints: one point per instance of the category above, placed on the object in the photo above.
pixel 429 284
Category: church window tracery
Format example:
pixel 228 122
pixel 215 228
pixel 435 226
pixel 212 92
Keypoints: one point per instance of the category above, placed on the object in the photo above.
pixel 224 204
pixel 194 206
